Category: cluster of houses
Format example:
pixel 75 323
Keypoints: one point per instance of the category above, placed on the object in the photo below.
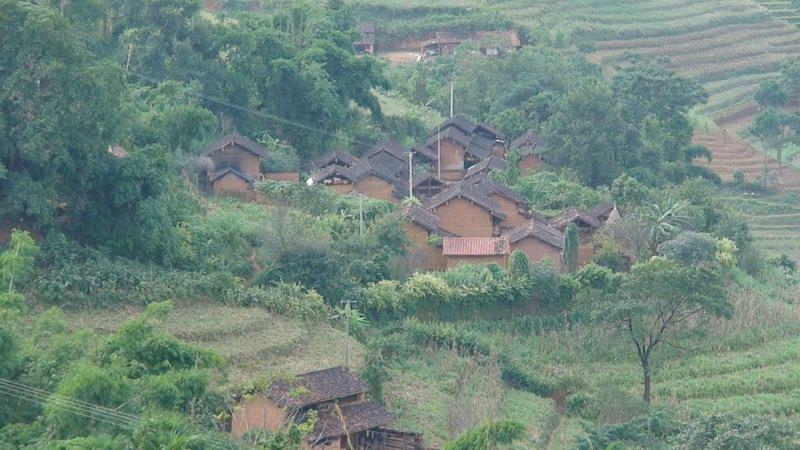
pixel 462 215
pixel 345 418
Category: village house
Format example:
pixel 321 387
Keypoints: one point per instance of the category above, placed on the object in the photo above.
pixel 332 158
pixel 485 166
pixel 346 418
pixel 587 223
pixel 365 44
pixel 466 211
pixel 458 144
pixel 363 178
pixel 527 148
pixel 235 164
pixel 475 250
pixel 538 240
pixel 514 206
pixel 425 232
pixel 491 43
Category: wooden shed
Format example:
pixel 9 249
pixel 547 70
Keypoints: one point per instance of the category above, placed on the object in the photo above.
pixel 476 250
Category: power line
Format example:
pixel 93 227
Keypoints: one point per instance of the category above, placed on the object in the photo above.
pixel 81 408
pixel 254 112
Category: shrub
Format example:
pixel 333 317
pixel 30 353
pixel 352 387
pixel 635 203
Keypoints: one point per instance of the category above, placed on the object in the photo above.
pixel 552 289
pixel 383 299
pixel 690 248
pixel 594 276
pixel 609 254
pixel 426 289
pixel 519 266
pixel 291 300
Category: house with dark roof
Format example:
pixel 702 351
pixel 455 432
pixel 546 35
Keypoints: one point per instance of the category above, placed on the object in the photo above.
pixel 425 233
pixel 538 241
pixel 588 222
pixel 466 211
pixel 332 158
pixel 366 43
pixel 528 148
pixel 346 419
pixel 514 206
pixel 236 164
pixel 458 144
pixel 476 250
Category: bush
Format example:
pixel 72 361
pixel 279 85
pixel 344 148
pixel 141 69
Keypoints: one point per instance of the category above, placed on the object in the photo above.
pixel 610 255
pixel 690 248
pixel 594 276
pixel 68 273
pixel 383 299
pixel 426 289
pixel 290 300
pixel 552 289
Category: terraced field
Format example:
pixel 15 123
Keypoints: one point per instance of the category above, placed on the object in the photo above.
pixel 774 222
pixel 256 344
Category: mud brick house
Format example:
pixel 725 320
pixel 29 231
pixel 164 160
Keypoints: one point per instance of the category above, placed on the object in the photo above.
pixel 236 164
pixel 587 222
pixel 366 44
pixel 346 419
pixel 514 207
pixel 485 166
pixel 476 250
pixel 332 158
pixel 426 233
pixel 466 211
pixel 528 147
pixel 462 143
pixel 492 43
pixel 363 178
pixel 426 185
pixel 390 158
pixel 538 240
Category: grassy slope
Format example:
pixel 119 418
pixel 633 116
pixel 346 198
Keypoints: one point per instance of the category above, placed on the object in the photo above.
pixel 257 345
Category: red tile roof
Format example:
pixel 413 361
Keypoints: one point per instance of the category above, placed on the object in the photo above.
pixel 476 246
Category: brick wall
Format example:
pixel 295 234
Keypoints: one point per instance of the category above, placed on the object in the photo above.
pixel 537 250
pixel 465 218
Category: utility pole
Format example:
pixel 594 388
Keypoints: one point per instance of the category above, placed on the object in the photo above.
pixel 439 151
pixel 410 175
pixel 451 98
pixel 360 214
pixel 347 315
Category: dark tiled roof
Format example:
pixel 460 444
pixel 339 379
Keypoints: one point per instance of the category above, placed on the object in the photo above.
pixel 573 215
pixel 483 183
pixel 424 218
pixel 451 132
pixel 493 162
pixel 430 153
pixel 316 387
pixel 537 230
pixel 390 147
pixel 528 142
pixel 479 146
pixel 237 139
pixel 476 246
pixel 333 171
pixel 338 157
pixel 470 193
pixel 601 211
pixel 230 170
pixel 355 417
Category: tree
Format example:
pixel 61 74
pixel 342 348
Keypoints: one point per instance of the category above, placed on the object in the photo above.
pixel 659 298
pixel 770 126
pixel 661 221
pixel 518 265
pixel 586 132
pixel 488 436
pixel 17 260
pixel 771 93
pixel 571 245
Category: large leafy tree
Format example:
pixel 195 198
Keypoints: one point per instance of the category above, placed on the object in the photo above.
pixel 657 300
